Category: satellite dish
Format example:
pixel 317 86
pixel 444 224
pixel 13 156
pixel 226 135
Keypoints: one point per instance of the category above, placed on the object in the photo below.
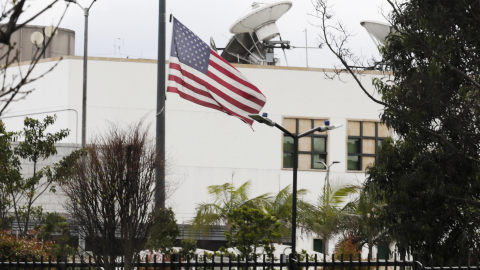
pixel 262 20
pixel 212 44
pixel 244 48
pixel 37 38
pixel 378 31
pixel 51 31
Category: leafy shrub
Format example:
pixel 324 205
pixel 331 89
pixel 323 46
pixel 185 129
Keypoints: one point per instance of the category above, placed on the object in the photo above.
pixel 24 247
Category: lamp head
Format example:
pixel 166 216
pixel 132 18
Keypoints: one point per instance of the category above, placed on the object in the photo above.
pixel 321 162
pixel 71 1
pixel 262 119
pixel 335 162
pixel 328 127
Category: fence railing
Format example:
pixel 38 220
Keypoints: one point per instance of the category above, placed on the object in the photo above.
pixel 312 262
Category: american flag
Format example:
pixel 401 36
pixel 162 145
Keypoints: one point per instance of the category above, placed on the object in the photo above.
pixel 200 75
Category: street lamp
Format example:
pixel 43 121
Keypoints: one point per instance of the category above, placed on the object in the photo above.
pixel 327 189
pixel 84 101
pixel 327 178
pixel 265 120
pixel 85 59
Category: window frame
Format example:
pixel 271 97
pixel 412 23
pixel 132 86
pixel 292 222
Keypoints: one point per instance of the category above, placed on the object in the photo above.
pixel 360 155
pixel 312 137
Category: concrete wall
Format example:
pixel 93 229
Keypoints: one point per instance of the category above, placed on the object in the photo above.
pixel 205 147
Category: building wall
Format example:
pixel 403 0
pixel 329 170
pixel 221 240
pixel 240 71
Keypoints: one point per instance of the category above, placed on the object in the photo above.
pixel 205 147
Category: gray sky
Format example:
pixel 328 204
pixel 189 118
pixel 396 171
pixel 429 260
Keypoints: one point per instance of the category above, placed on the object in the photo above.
pixel 121 28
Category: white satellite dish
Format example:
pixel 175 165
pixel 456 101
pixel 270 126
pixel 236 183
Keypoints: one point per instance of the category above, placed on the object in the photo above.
pixel 378 31
pixel 37 38
pixel 51 31
pixel 262 20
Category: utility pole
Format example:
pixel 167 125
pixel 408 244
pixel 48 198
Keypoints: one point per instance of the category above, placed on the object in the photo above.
pixel 160 131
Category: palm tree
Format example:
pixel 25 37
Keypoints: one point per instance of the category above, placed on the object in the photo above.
pixel 225 198
pixel 362 221
pixel 280 207
pixel 325 218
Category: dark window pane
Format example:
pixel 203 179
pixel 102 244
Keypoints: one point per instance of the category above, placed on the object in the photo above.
pixel 287 144
pixel 316 159
pixel 379 145
pixel 353 163
pixel 319 145
pixel 353 146
pixel 383 251
pixel 318 245
pixel 287 160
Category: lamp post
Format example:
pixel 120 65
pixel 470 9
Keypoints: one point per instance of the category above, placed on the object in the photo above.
pixel 85 59
pixel 265 120
pixel 86 11
pixel 327 189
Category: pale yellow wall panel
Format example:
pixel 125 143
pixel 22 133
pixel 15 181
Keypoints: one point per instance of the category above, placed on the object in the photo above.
pixel 383 131
pixel 304 162
pixel 369 129
pixel 290 124
pixel 368 146
pixel 367 161
pixel 304 125
pixel 353 128
pixel 305 144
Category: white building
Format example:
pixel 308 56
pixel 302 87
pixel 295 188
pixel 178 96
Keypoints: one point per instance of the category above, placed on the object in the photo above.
pixel 206 147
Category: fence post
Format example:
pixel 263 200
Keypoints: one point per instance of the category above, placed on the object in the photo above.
pixel 415 259
pixel 293 261
pixel 174 258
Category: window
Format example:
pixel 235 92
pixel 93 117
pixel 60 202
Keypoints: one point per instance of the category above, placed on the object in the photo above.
pixel 318 245
pixel 365 139
pixel 311 148
pixel 383 251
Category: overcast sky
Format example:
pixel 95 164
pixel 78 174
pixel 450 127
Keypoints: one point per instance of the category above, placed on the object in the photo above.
pixel 121 28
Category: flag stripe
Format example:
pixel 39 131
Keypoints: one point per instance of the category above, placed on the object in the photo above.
pixel 217 88
pixel 184 87
pixel 197 87
pixel 226 102
pixel 223 60
pixel 252 101
pixel 232 70
pixel 236 83
pixel 174 89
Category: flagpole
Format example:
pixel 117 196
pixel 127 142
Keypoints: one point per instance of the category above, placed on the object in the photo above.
pixel 160 115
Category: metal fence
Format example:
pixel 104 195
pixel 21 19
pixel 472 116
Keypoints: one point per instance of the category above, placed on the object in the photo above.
pixel 312 262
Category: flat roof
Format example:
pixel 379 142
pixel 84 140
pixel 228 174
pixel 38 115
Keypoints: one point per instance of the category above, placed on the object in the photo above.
pixel 151 61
